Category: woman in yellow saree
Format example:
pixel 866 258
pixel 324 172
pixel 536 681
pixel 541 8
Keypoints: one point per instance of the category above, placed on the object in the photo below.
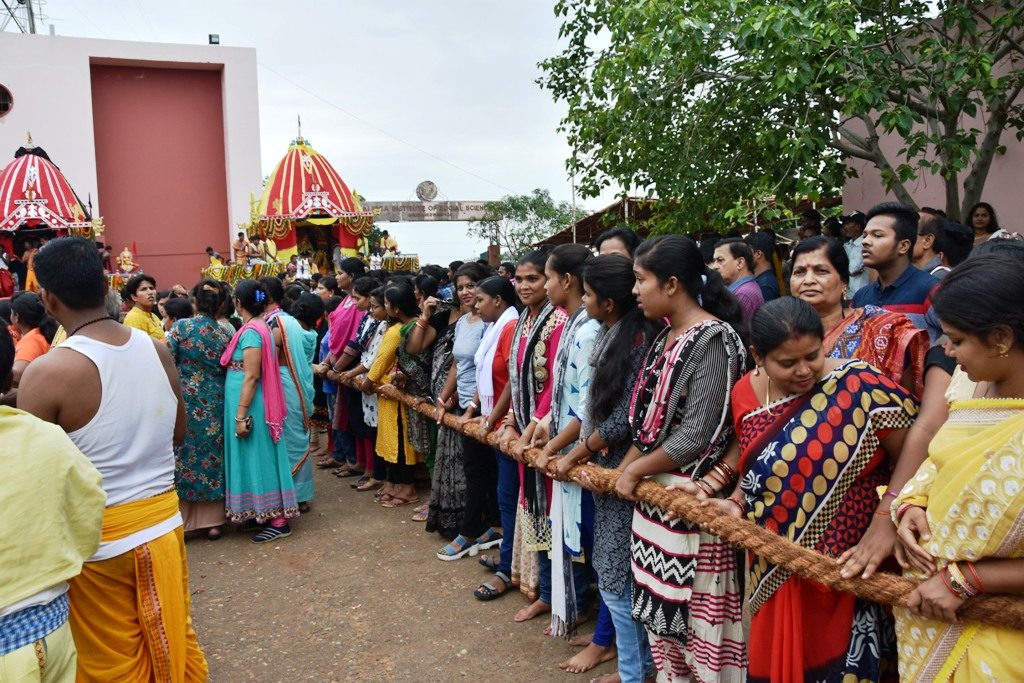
pixel 961 518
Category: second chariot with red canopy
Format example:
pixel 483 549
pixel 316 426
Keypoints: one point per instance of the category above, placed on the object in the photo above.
pixel 306 199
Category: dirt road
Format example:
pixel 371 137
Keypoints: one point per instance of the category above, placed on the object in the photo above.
pixel 356 594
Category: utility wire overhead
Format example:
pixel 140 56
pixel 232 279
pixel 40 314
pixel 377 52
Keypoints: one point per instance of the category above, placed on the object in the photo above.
pixel 382 131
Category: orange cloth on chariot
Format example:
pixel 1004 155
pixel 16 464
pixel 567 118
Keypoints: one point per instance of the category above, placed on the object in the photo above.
pixel 31 283
pixel 130 613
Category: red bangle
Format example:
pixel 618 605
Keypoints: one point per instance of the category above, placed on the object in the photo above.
pixel 949 586
pixel 974 574
pixel 741 506
pixel 705 487
pixel 716 477
pixel 882 512
pixel 902 510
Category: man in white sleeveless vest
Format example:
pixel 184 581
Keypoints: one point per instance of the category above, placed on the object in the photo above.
pixel 115 392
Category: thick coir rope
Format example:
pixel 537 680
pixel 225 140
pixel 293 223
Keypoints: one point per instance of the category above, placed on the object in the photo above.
pixel 884 588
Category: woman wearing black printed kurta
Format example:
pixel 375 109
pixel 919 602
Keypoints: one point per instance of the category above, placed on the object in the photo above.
pixel 685 583
pixel 622 342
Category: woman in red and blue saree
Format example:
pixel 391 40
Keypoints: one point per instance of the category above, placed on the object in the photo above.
pixel 884 339
pixel 534 345
pixel 686 587
pixel 818 438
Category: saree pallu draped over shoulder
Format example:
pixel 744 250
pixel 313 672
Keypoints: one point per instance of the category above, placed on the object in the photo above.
pixel 811 466
pixel 972 487
pixel 886 340
pixel 417 369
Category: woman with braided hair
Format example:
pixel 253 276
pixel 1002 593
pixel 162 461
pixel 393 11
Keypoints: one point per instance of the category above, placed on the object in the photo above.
pixel 196 344
pixel 528 392
pixel 258 474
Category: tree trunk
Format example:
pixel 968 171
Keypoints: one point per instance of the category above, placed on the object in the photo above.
pixel 974 184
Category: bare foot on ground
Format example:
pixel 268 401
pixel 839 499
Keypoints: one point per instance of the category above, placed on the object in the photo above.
pixel 535 609
pixel 580 641
pixel 592 655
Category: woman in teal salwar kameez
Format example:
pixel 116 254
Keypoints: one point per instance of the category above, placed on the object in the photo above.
pixel 257 472
pixel 298 346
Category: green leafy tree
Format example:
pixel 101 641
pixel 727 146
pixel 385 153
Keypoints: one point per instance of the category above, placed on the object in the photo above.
pixel 726 107
pixel 514 222
pixel 373 239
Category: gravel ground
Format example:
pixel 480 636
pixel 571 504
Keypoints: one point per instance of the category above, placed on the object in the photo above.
pixel 356 594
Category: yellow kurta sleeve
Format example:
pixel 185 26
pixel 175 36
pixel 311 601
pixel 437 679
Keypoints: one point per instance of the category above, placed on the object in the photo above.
pixel 387 354
pixel 55 500
pixel 146 322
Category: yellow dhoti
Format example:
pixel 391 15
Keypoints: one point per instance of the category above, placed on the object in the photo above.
pixel 130 613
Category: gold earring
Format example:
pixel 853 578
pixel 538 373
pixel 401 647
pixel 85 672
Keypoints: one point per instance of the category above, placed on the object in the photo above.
pixel 1003 350
pixel 757 371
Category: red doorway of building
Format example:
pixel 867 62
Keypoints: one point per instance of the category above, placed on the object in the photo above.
pixel 160 165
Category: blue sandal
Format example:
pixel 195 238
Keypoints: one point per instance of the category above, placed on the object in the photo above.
pixel 457 549
pixel 490 539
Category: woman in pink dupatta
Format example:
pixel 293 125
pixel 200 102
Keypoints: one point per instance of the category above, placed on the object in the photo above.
pixel 344 353
pixel 257 472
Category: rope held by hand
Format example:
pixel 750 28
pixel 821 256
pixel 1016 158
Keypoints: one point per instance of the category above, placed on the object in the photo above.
pixel 883 588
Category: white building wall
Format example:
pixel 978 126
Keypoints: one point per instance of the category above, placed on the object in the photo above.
pixel 49 78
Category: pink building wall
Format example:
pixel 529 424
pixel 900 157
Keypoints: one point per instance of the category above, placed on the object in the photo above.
pixel 52 80
pixel 1003 187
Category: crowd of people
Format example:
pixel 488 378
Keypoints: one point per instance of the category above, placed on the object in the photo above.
pixel 869 405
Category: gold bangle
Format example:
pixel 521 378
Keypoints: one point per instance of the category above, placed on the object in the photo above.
pixel 959 581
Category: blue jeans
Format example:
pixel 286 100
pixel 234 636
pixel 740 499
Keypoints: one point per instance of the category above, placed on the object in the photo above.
pixel 331 398
pixel 344 447
pixel 508 499
pixel 604 628
pixel 635 661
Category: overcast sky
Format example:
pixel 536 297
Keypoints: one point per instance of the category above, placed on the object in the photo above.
pixel 402 91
